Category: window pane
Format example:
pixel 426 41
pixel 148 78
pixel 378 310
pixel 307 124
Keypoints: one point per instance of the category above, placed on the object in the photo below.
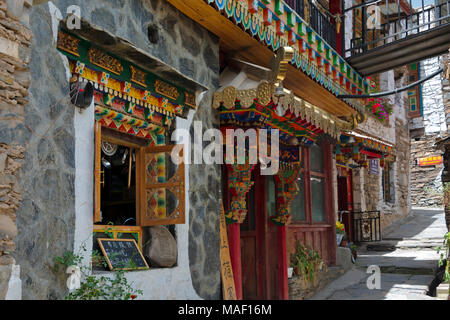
pixel 318 199
pixel 316 158
pixel 271 196
pixel 298 203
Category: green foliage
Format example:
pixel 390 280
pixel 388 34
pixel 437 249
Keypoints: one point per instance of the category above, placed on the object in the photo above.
pixel 305 262
pixel 68 259
pixel 105 288
pixel 444 254
pixel 115 286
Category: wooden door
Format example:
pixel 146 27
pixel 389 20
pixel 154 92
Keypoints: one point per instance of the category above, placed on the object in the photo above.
pixel 271 241
pixel 345 202
pixel 249 253
pixel 259 242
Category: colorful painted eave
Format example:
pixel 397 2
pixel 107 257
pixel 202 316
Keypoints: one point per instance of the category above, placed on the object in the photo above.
pixel 274 23
pixel 122 80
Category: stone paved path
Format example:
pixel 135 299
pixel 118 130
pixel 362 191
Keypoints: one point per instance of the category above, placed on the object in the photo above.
pixel 406 257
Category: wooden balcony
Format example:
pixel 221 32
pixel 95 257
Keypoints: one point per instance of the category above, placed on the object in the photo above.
pixel 404 35
pixel 252 33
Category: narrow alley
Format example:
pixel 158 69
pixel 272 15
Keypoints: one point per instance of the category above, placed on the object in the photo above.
pixel 407 258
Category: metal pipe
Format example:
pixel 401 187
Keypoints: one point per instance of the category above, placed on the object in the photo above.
pixel 387 93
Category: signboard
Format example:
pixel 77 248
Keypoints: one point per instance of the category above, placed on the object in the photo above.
pixel 373 166
pixel 429 161
pixel 226 270
pixel 122 254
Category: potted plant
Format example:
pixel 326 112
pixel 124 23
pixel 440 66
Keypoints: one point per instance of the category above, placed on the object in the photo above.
pixel 344 241
pixel 340 232
pixel 305 263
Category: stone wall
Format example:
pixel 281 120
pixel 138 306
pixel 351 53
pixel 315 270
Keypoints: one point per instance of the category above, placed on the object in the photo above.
pixel 46 219
pixel 367 188
pixel 14 82
pixel 426 182
pixel 402 205
pixel 432 98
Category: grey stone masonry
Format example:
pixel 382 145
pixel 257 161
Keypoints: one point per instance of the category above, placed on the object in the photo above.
pixel 426 184
pixel 15 40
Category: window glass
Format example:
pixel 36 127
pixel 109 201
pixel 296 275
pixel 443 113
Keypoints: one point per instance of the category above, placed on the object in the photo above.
pixel 318 199
pixel 316 158
pixel 298 203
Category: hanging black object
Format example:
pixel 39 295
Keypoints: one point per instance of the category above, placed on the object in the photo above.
pixel 81 94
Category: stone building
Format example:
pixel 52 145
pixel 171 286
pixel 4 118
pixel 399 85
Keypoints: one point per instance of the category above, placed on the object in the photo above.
pixel 383 183
pixel 378 179
pixel 427 125
pixel 92 94
pixel 53 140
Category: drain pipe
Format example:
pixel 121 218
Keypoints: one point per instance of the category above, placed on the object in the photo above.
pixel 387 93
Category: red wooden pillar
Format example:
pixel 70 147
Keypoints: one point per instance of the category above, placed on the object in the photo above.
pixel 234 243
pixel 283 287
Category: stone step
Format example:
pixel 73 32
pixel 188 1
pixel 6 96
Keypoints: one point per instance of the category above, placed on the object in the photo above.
pixel 406 270
pixel 442 291
pixel 391 245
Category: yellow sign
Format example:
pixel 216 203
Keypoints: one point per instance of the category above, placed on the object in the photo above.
pixel 430 161
pixel 228 289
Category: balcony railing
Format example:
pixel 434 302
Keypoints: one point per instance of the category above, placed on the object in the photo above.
pixel 381 25
pixel 322 23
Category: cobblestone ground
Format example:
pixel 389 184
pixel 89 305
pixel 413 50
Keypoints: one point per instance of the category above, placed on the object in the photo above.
pixel 407 258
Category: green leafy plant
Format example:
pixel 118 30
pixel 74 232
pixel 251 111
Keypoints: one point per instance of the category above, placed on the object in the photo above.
pixel 444 255
pixel 306 262
pixel 112 287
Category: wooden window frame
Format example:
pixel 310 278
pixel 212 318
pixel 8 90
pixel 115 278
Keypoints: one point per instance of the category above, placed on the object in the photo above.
pixel 104 134
pixel 387 195
pixel 326 175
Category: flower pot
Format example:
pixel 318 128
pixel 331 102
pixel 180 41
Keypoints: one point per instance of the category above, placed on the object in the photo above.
pixel 339 238
pixel 290 272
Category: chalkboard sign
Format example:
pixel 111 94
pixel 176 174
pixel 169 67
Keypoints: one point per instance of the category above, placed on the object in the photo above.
pixel 122 254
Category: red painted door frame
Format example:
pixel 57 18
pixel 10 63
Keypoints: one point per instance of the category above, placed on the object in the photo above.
pixel 263 249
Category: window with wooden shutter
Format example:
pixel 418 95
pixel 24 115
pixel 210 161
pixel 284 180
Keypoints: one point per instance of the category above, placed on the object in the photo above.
pixel 162 196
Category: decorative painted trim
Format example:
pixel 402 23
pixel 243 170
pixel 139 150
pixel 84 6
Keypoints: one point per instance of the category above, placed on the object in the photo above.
pixel 125 93
pixel 287 189
pixel 166 89
pixel 239 183
pixel 189 100
pixel 137 76
pixel 105 61
pixel 295 112
pixel 121 78
pixel 113 119
pixel 68 43
pixel 260 27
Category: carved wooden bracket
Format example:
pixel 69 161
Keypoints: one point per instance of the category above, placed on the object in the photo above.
pixel 239 183
pixel 287 189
